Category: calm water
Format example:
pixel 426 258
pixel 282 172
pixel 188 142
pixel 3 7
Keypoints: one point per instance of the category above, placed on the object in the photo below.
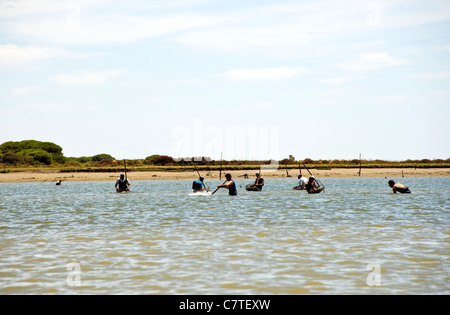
pixel 356 238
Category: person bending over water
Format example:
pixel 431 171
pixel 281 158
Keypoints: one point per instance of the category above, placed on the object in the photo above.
pixel 122 184
pixel 398 187
pixel 312 187
pixel 198 185
pixel 301 183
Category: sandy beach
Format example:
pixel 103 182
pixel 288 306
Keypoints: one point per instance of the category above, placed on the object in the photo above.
pixel 41 176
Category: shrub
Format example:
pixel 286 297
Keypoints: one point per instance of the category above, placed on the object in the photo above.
pixel 10 146
pixel 108 162
pixel 72 162
pixel 84 159
pixel 38 155
pixel 40 152
pixel 17 159
pixel 51 148
pixel 161 160
pixel 101 157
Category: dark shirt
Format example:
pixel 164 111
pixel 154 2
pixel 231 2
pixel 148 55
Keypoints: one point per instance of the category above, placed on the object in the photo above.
pixel 123 184
pixel 197 185
pixel 233 189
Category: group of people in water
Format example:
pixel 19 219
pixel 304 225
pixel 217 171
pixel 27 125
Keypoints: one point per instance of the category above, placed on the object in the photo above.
pixel 312 185
pixel 199 186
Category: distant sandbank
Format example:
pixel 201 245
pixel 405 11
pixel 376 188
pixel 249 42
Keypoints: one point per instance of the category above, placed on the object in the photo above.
pixel 41 176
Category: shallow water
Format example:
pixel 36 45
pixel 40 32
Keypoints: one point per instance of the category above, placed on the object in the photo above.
pixel 83 238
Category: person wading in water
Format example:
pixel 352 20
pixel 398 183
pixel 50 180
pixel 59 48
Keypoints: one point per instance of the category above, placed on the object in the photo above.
pixel 398 187
pixel 312 187
pixel 198 185
pixel 258 185
pixel 122 184
pixel 229 184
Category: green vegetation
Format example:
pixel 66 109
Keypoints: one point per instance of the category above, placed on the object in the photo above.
pixel 101 157
pixel 160 160
pixel 31 152
pixel 23 155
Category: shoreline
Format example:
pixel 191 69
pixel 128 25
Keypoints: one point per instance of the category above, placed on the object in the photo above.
pixel 23 177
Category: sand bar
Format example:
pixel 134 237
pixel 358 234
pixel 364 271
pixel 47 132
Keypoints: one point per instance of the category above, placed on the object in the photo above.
pixel 40 176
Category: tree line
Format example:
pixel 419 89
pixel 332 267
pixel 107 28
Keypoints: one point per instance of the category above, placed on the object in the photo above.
pixel 37 153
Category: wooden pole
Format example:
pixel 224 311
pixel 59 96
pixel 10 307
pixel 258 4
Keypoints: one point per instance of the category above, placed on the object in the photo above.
pixel 221 160
pixel 218 188
pixel 360 165
pixel 315 179
pixel 259 175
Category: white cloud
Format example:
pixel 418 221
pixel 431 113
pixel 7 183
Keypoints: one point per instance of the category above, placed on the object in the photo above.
pixel 278 27
pixel 372 61
pixel 263 106
pixel 275 29
pixel 46 106
pixel 432 75
pixel 392 98
pixel 335 80
pixel 92 28
pixel 17 8
pixel 12 55
pixel 407 13
pixel 283 27
pixel 82 77
pixel 270 74
pixel 20 8
pixel 27 90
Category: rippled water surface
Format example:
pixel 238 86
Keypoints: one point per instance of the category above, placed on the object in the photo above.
pixel 82 238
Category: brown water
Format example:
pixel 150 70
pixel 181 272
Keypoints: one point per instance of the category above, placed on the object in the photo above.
pixel 356 238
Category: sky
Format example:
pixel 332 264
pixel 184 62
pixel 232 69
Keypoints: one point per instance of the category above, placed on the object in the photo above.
pixel 240 79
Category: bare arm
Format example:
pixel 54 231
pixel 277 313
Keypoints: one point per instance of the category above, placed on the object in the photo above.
pixel 227 185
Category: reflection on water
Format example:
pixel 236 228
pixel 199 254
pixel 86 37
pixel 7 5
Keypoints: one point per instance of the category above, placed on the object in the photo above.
pixel 159 239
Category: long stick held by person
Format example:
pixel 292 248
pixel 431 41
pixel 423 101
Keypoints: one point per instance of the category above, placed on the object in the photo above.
pixel 258 185
pixel 228 184
pixel 313 186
